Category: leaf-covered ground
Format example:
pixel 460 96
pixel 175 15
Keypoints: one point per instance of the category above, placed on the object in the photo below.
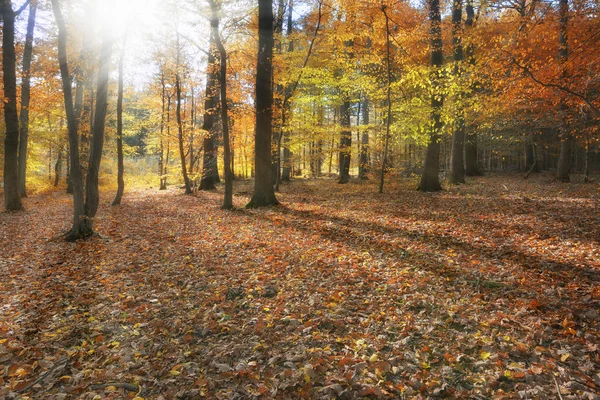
pixel 486 290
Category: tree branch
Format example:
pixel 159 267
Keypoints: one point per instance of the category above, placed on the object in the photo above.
pixel 22 8
pixel 559 87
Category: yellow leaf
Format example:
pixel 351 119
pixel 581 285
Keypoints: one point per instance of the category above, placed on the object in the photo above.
pixel 564 357
pixel 175 372
pixel 485 355
pixel 373 358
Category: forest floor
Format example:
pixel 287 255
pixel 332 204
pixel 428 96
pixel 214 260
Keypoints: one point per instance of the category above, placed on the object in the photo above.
pixel 489 290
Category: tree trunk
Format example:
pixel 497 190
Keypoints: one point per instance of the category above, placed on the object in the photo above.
pixel 430 180
pixel 58 167
pixel 25 96
pixel 471 164
pixel 363 167
pixel 192 132
pixel 186 178
pixel 209 160
pixel 566 146
pixel 12 198
pixel 586 163
pixel 78 230
pixel 161 161
pixel 92 197
pixel 228 196
pixel 388 119
pixel 120 166
pixel 264 193
pixel 457 162
pixel 345 143
pixel 285 171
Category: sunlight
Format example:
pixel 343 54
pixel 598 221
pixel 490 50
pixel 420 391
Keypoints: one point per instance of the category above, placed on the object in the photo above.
pixel 120 16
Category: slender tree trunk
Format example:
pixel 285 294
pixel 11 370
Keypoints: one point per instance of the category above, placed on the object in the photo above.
pixel 345 143
pixel 228 196
pixel 58 167
pixel 286 110
pixel 471 164
pixel 78 230
pixel 12 198
pixel 192 132
pixel 363 167
pixel 92 197
pixel 430 180
pixel 25 96
pixel 186 178
pixel 166 170
pixel 587 162
pixel 388 120
pixel 264 193
pixel 120 166
pixel 457 162
pixel 161 159
pixel 209 161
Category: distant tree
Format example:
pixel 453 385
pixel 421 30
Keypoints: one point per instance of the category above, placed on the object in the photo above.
pixel 25 97
pixel 430 180
pixel 264 193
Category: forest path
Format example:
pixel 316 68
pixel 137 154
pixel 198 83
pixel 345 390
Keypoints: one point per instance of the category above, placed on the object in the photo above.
pixel 486 289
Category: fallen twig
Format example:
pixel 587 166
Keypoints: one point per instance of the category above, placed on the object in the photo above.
pixel 61 362
pixel 123 385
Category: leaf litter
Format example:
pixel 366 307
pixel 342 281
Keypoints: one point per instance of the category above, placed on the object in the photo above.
pixel 485 290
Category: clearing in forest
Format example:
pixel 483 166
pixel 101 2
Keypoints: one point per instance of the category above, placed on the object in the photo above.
pixel 485 290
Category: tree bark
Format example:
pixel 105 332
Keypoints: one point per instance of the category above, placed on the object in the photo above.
pixel 209 160
pixel 457 162
pixel 430 180
pixel 58 167
pixel 120 166
pixel 78 230
pixel 345 143
pixel 264 193
pixel 12 198
pixel 92 197
pixel 228 196
pixel 25 97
